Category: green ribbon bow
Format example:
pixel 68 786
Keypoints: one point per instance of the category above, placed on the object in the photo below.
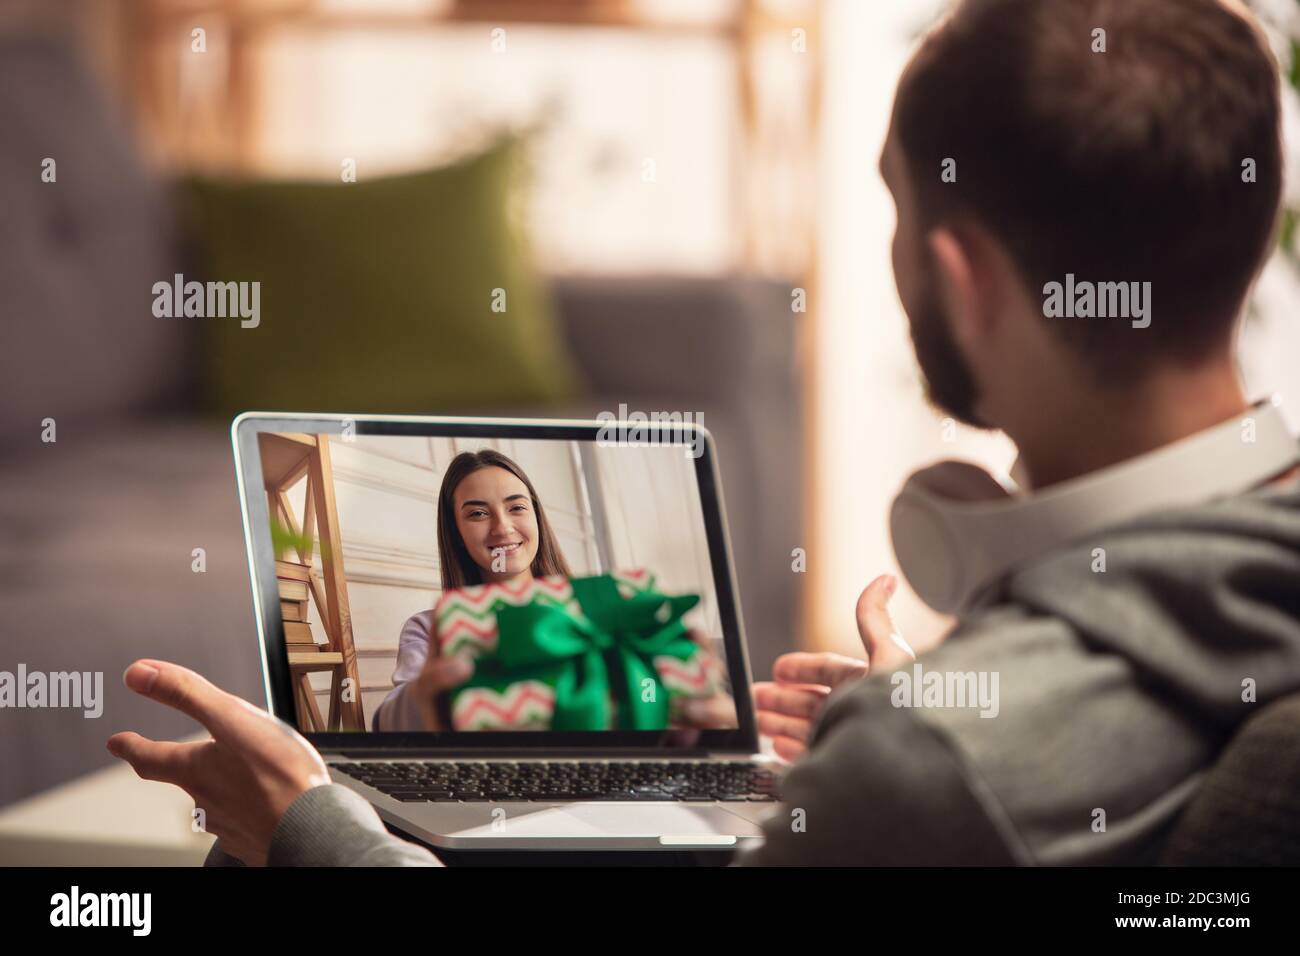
pixel 607 651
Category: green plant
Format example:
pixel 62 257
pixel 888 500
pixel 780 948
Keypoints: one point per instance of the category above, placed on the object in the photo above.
pixel 285 541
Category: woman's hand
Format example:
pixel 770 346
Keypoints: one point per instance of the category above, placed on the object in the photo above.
pixel 243 779
pixel 715 712
pixel 440 674
pixel 788 706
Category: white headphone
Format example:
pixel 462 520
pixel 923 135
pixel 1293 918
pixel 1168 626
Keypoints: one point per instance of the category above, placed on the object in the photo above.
pixel 957 530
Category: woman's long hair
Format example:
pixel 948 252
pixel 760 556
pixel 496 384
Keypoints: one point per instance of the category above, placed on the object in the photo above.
pixel 458 568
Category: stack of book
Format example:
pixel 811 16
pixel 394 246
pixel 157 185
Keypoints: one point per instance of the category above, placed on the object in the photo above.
pixel 293 579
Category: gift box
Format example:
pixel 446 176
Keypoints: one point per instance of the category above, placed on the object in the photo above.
pixel 595 653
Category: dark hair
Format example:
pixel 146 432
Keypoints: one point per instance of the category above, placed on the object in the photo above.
pixel 458 568
pixel 1123 165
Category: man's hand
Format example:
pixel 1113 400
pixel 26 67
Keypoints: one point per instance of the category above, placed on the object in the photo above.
pixel 243 779
pixel 790 703
pixel 885 647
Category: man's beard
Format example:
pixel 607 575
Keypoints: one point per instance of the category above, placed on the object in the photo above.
pixel 949 383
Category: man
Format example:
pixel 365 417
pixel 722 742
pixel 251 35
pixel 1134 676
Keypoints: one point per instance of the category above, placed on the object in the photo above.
pixel 1119 621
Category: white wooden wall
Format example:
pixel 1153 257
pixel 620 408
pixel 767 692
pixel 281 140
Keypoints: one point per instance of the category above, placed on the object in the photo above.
pixel 652 505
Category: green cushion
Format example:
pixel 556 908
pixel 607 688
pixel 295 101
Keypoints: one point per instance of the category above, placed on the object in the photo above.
pixel 378 295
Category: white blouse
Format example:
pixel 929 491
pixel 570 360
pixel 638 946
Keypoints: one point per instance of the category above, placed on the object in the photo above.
pixel 400 710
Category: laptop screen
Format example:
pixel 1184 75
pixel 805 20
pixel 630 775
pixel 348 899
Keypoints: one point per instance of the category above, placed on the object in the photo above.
pixel 521 587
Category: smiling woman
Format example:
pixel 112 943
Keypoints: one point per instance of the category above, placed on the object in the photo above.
pixel 491 524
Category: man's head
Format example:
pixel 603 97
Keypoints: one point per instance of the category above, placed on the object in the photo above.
pixel 1108 140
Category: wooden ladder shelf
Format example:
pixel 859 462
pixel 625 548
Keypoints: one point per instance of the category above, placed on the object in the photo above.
pixel 286 460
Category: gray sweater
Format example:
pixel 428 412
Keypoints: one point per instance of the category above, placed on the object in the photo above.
pixel 1115 691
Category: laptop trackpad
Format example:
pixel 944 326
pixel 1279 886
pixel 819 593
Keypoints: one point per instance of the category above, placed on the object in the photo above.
pixel 668 821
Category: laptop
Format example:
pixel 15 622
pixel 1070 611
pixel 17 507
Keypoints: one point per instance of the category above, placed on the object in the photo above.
pixel 357 526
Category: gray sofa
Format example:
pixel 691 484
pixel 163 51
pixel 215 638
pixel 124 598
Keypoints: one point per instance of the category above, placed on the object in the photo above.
pixel 97 527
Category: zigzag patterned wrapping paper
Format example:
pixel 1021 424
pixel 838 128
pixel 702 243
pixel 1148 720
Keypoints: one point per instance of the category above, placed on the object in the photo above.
pixel 544 661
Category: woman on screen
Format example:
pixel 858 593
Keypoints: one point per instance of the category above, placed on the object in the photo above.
pixel 492 528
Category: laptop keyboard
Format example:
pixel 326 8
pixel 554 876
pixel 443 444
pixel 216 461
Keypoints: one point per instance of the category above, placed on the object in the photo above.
pixel 479 781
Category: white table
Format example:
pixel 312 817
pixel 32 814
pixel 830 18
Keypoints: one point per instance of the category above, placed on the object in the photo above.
pixel 107 818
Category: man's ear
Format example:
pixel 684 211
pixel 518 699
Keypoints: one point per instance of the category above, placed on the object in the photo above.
pixel 963 294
